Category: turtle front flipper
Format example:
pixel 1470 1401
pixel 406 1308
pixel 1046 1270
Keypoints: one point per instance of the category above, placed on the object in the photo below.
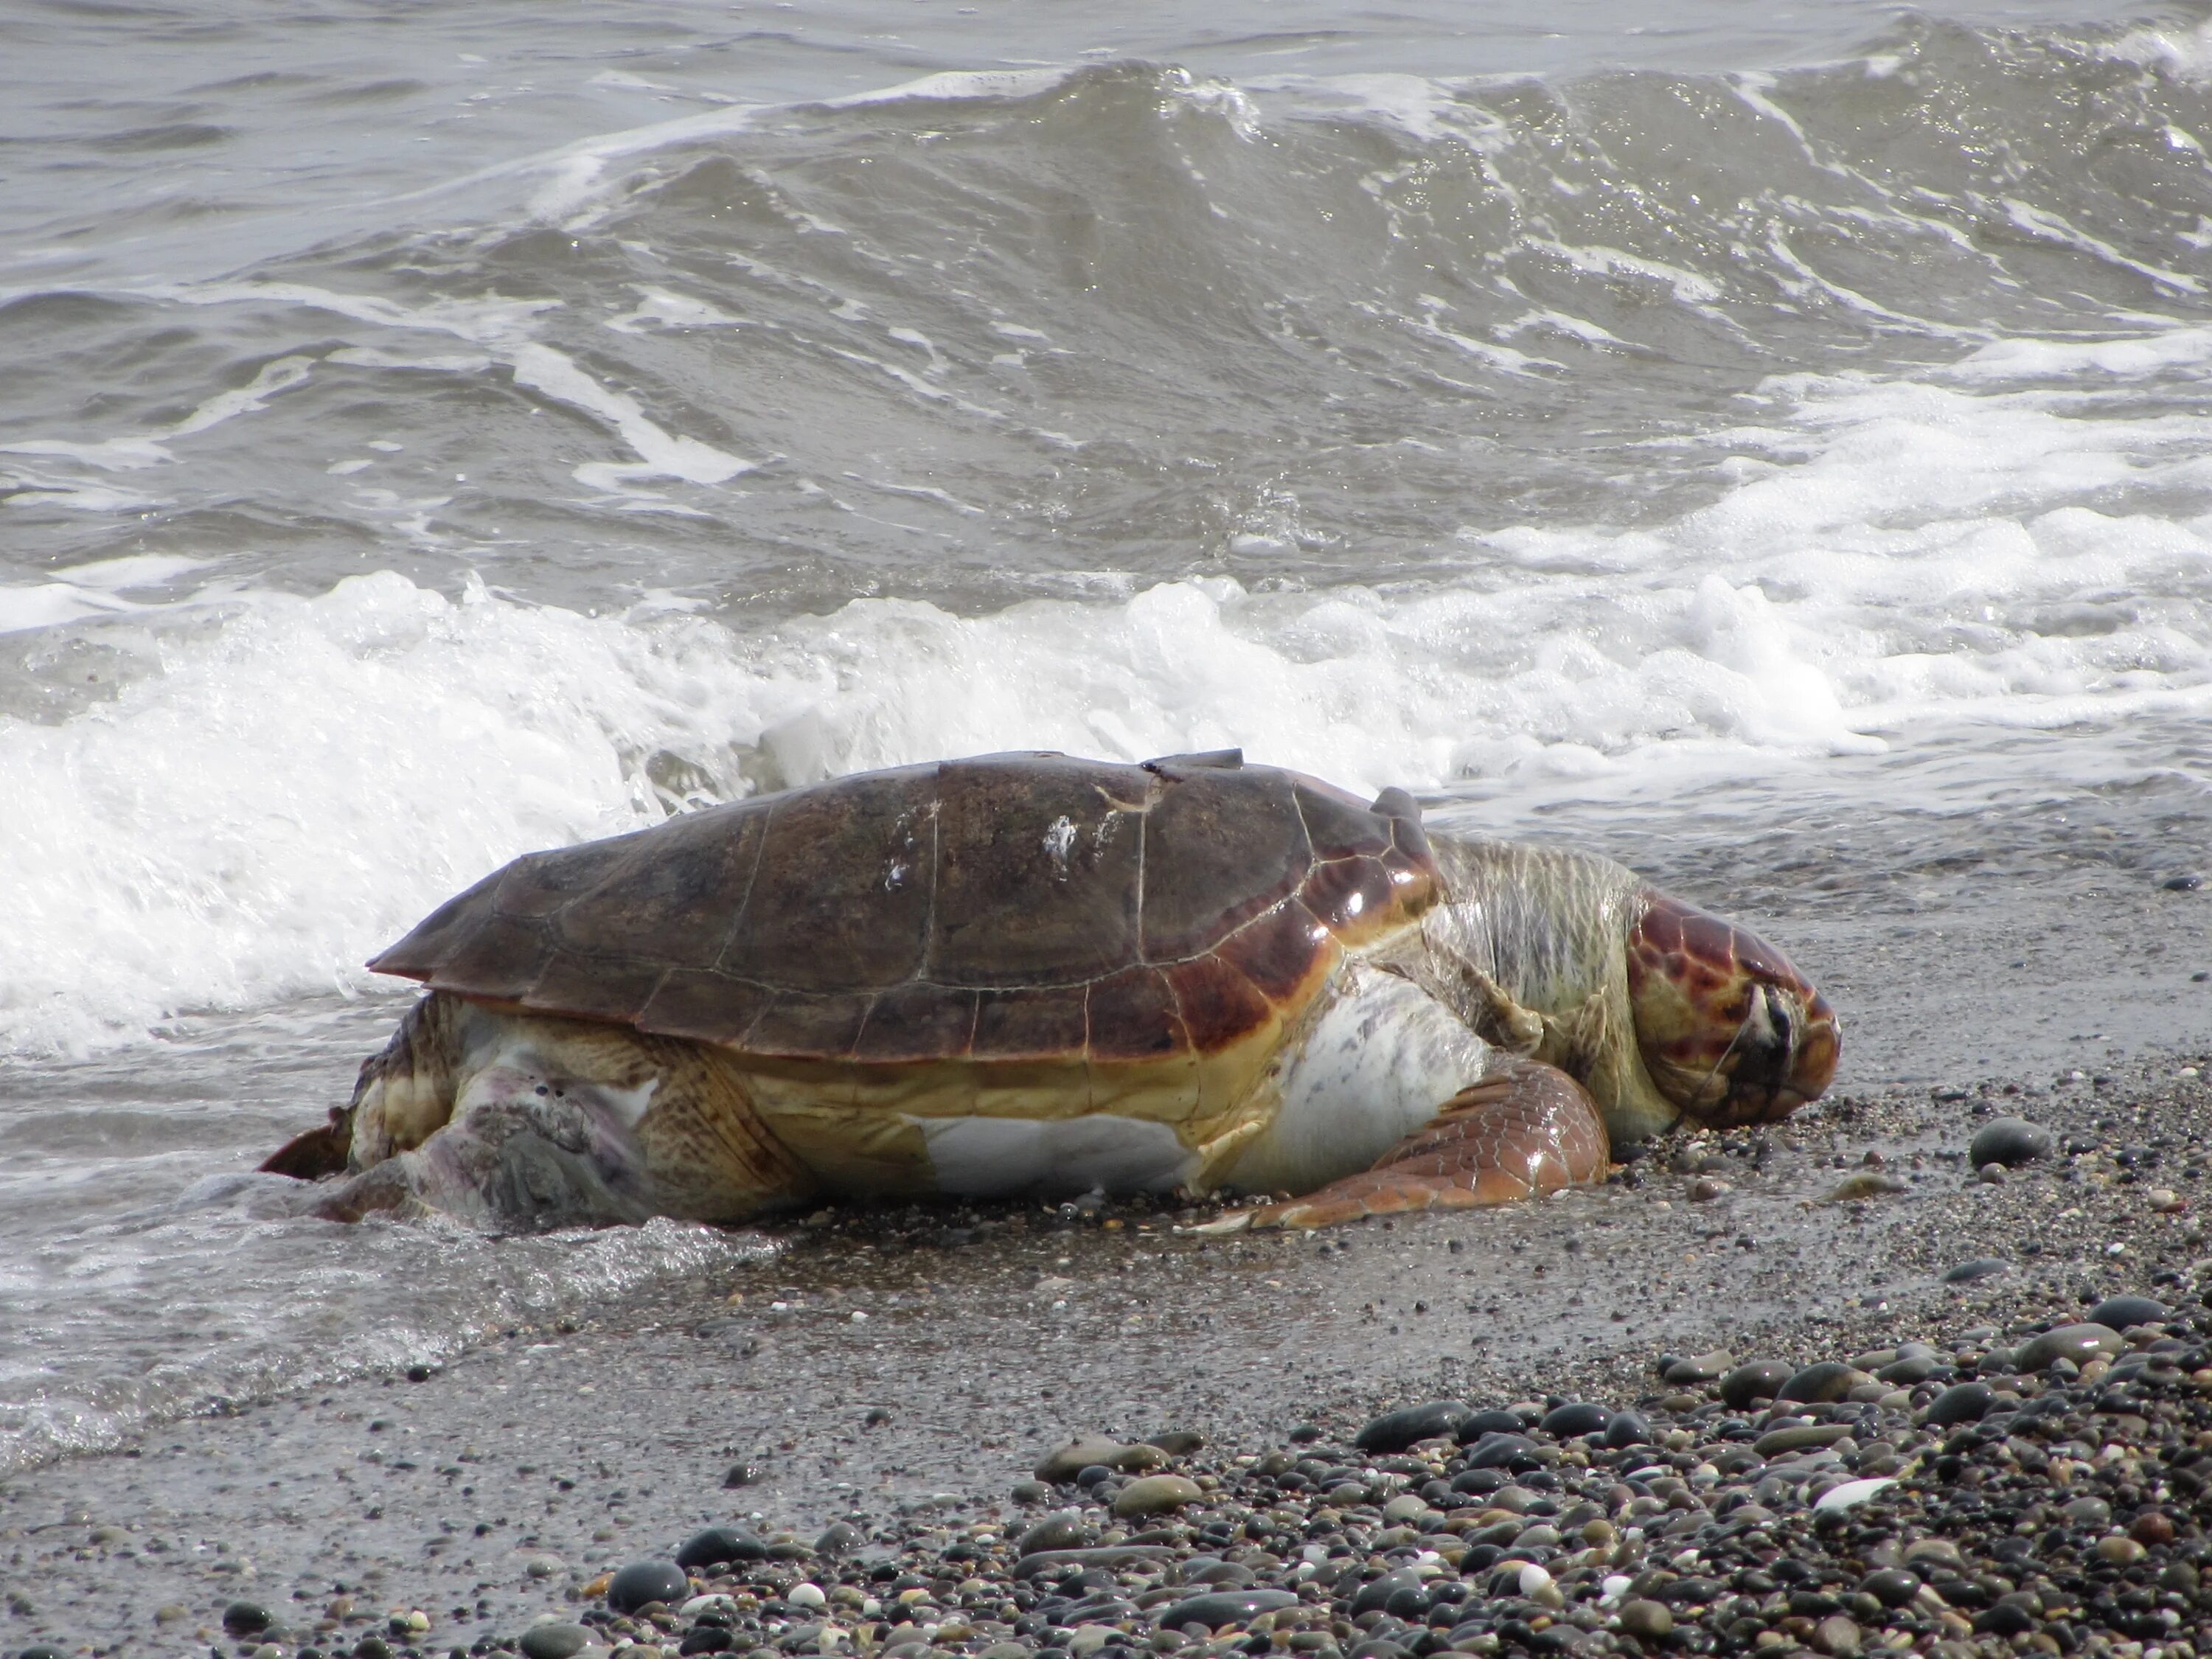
pixel 1525 1130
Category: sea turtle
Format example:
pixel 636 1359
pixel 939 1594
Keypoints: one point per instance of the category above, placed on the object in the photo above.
pixel 1031 972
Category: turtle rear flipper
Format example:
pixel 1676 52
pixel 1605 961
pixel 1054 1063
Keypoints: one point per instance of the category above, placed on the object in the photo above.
pixel 314 1153
pixel 1525 1130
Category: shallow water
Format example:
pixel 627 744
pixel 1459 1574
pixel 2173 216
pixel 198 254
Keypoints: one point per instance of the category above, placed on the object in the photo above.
pixel 1772 450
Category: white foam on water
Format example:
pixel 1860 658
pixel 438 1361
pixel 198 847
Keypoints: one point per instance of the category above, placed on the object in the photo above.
pixel 288 791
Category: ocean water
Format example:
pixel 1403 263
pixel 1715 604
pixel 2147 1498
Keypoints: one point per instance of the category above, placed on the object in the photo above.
pixel 1772 445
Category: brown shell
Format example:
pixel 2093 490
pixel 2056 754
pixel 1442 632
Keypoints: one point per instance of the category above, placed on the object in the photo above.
pixel 1009 906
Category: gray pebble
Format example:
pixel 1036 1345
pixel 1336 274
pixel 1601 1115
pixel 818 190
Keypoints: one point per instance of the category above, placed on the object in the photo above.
pixel 1063 1529
pixel 1394 1431
pixel 1828 1381
pixel 1757 1379
pixel 2119 1312
pixel 1962 1402
pixel 1217 1607
pixel 2079 1343
pixel 555 1641
pixel 2010 1142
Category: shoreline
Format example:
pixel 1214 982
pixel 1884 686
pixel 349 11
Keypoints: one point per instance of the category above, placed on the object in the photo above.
pixel 896 1360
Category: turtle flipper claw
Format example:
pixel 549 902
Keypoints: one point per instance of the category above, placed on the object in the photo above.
pixel 1525 1130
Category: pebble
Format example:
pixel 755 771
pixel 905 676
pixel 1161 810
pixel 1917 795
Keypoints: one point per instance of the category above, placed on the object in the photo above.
pixel 2079 1343
pixel 1775 1442
pixel 1757 1379
pixel 1702 1368
pixel 1097 1451
pixel 245 1618
pixel 1063 1529
pixel 1836 1636
pixel 645 1582
pixel 2120 1550
pixel 1155 1494
pixel 1394 1431
pixel 1647 1620
pixel 1217 1607
pixel 1864 1184
pixel 1576 1417
pixel 1962 1402
pixel 554 1641
pixel 2118 1313
pixel 718 1545
pixel 1982 1266
pixel 2009 1142
pixel 1827 1381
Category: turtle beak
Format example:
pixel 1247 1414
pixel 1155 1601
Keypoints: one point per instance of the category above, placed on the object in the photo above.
pixel 1728 1029
pixel 1785 1055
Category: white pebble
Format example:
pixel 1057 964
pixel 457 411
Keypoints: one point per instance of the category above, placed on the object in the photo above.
pixel 1852 1493
pixel 807 1595
pixel 858 1318
pixel 1534 1578
pixel 1613 1586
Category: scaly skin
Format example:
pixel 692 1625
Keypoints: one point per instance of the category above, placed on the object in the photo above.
pixel 1628 1009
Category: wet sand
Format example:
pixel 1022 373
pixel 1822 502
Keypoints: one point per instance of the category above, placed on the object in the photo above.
pixel 874 1360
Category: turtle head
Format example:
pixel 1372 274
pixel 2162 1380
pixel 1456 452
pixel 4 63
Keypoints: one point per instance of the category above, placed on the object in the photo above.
pixel 1730 1032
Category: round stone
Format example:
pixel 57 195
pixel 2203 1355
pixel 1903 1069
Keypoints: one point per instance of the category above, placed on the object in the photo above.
pixel 1217 1607
pixel 839 1538
pixel 245 1618
pixel 1394 1431
pixel 1891 1586
pixel 1699 1368
pixel 1982 1266
pixel 644 1582
pixel 1962 1402
pixel 1903 1373
pixel 1061 1467
pixel 2120 1550
pixel 1063 1529
pixel 2010 1142
pixel 1502 1451
pixel 1822 1383
pixel 1799 1437
pixel 741 1474
pixel 555 1641
pixel 1375 1596
pixel 1026 1493
pixel 1490 1421
pixel 1647 1620
pixel 1577 1417
pixel 2119 1312
pixel 1155 1494
pixel 1756 1379
pixel 1836 1636
pixel 1627 1429
pixel 2086 1511
pixel 2006 1619
pixel 2151 1527
pixel 2079 1343
pixel 719 1545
